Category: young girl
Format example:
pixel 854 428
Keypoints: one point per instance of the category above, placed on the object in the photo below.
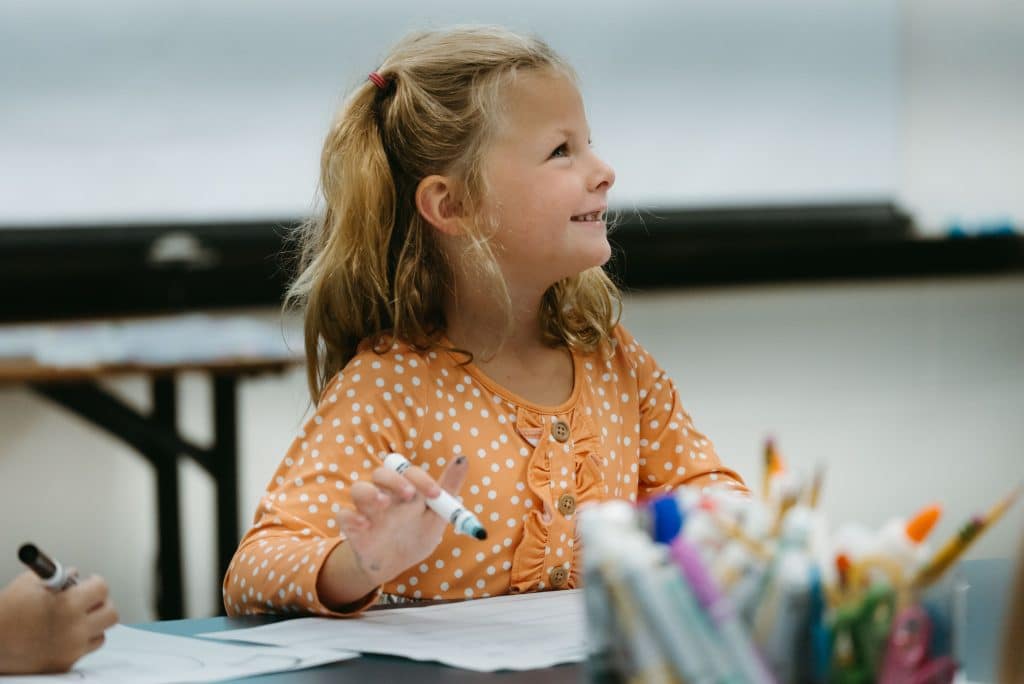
pixel 456 312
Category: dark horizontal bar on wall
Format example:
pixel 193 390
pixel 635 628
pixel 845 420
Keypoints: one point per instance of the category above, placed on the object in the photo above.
pixel 85 271
pixel 63 272
pixel 787 244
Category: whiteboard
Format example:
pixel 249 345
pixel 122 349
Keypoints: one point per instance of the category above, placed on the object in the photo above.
pixel 117 111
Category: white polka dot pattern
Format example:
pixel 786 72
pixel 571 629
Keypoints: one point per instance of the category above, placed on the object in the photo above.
pixel 628 437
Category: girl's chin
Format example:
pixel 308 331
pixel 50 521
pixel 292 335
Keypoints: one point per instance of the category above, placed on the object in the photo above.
pixel 597 254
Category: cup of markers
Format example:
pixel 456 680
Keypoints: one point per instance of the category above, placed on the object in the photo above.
pixel 718 587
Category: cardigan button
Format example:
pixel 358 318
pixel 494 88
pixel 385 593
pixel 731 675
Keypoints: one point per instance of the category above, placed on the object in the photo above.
pixel 560 430
pixel 567 504
pixel 559 577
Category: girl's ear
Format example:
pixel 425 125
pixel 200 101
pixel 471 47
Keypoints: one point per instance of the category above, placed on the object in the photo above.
pixel 437 202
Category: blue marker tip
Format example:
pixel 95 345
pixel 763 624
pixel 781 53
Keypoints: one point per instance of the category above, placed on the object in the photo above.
pixel 667 517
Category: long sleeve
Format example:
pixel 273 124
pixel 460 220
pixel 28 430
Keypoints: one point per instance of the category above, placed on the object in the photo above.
pixel 673 452
pixel 276 566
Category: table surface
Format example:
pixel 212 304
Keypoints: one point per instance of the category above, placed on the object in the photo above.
pixel 988 579
pixel 27 370
pixel 236 344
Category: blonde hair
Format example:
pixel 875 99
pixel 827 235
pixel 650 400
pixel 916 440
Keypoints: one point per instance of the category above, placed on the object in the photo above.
pixel 370 266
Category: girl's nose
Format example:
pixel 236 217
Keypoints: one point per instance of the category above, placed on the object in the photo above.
pixel 602 177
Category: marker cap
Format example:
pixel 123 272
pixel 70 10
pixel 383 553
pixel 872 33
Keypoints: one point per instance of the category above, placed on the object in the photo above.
pixel 922 523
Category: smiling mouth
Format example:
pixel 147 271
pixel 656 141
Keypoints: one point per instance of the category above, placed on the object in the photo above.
pixel 592 216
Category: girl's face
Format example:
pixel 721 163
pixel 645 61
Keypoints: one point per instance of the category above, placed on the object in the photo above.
pixel 548 190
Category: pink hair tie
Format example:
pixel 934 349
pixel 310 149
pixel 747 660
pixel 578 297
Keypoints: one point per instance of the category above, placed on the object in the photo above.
pixel 378 80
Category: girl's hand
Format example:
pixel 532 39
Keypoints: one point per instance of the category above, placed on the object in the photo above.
pixel 47 631
pixel 390 529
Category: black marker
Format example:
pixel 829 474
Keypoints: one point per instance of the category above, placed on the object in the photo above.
pixel 53 574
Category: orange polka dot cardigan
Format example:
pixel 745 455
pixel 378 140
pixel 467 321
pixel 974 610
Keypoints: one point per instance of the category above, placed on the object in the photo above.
pixel 621 434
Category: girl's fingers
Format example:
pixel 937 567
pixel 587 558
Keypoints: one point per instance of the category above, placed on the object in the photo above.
pixel 423 483
pixel 399 487
pixel 369 500
pixel 87 594
pixel 454 475
pixel 101 618
pixel 94 643
pixel 352 522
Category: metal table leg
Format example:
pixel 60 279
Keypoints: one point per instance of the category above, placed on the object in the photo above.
pixel 155 438
pixel 169 588
pixel 224 467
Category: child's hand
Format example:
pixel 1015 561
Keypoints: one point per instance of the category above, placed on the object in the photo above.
pixel 47 631
pixel 392 528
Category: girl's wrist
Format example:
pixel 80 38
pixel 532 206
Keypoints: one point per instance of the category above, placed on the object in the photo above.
pixel 343 582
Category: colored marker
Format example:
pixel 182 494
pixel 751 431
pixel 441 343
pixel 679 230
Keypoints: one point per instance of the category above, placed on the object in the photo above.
pixel 722 612
pixel 668 610
pixel 921 524
pixel 53 574
pixel 644 661
pixel 843 566
pixel 818 636
pixel 902 541
pixel 665 518
pixel 601 527
pixel 444 504
pixel 745 590
pixel 784 605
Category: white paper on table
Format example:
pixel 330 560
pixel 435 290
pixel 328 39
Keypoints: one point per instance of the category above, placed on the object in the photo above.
pixel 524 632
pixel 138 656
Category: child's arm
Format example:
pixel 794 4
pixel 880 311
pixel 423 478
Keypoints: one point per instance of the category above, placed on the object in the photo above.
pixel 47 631
pixel 334 524
pixel 673 452
pixel 680 455
pixel 309 554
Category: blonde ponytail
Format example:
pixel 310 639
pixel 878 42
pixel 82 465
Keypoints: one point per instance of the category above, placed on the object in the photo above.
pixel 370 266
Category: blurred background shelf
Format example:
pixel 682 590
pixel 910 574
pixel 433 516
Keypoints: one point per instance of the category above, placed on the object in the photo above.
pixel 113 270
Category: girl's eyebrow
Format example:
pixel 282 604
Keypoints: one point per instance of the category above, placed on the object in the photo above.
pixel 568 132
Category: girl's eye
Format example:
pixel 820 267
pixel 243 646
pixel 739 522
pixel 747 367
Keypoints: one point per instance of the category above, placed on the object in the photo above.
pixel 561 151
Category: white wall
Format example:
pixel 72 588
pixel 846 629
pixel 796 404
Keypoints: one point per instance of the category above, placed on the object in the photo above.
pixel 910 391
pixel 961 138
pixel 187 109
pixel 183 109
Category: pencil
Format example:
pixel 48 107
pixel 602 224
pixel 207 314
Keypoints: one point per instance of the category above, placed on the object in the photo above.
pixel 815 490
pixel 769 466
pixel 789 499
pixel 955 547
pixel 735 532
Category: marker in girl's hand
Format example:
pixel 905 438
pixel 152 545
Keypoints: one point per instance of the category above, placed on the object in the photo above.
pixel 53 574
pixel 445 505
